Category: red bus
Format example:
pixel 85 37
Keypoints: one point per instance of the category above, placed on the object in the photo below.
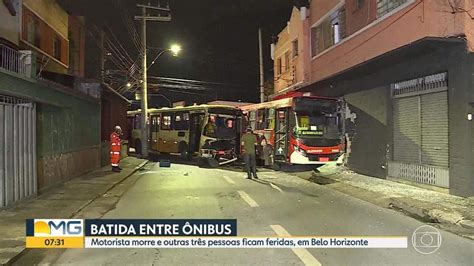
pixel 299 130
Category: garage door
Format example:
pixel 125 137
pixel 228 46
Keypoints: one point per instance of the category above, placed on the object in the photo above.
pixel 434 129
pixel 407 131
pixel 420 130
pixel 17 150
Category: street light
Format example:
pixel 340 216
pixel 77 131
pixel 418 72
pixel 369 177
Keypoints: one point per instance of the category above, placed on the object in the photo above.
pixel 175 49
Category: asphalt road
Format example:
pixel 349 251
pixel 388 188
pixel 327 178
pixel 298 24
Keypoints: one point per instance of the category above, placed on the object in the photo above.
pixel 276 202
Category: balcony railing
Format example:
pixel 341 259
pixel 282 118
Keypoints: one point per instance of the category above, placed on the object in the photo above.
pixel 14 60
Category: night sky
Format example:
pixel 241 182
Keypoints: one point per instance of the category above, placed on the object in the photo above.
pixel 219 40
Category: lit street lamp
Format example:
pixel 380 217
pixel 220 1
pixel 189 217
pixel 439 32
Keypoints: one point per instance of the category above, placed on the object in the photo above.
pixel 174 49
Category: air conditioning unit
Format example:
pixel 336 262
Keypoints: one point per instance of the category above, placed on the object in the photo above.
pixel 27 63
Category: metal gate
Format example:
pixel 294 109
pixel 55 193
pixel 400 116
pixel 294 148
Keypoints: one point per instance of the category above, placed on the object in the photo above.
pixel 17 150
pixel 420 130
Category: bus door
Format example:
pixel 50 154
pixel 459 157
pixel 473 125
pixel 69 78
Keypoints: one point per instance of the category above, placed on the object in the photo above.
pixel 195 130
pixel 154 129
pixel 281 134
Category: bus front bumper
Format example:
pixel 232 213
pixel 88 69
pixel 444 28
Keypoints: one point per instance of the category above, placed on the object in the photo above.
pixel 298 158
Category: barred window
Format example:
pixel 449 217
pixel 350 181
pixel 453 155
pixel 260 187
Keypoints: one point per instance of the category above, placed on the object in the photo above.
pixel 385 6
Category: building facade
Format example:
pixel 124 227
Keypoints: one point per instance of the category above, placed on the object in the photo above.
pixel 49 132
pixel 290 54
pixel 77 46
pixel 405 70
pixel 45 31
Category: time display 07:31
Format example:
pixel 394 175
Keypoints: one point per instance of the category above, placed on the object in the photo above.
pixel 54 242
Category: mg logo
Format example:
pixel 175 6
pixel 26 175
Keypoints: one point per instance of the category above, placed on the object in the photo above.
pixel 58 227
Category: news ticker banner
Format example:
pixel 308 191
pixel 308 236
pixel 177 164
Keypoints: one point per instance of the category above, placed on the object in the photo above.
pixel 173 233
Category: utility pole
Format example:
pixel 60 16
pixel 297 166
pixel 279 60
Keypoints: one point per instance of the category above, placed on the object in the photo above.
pixel 102 55
pixel 262 89
pixel 144 18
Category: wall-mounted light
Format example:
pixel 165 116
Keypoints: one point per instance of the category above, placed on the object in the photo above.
pixel 469 117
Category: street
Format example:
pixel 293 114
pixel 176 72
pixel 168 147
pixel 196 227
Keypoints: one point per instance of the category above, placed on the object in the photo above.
pixel 276 204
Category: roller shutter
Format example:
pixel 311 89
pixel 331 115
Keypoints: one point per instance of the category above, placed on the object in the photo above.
pixel 406 131
pixel 421 130
pixel 434 129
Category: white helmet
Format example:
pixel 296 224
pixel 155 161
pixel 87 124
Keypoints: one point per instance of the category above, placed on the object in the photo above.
pixel 117 128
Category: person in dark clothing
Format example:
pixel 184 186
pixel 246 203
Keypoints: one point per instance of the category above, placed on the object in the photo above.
pixel 249 141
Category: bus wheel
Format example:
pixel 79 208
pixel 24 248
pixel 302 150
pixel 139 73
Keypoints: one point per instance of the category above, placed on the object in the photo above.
pixel 183 151
pixel 138 147
pixel 276 166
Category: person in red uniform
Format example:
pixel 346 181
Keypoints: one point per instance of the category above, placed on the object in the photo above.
pixel 115 148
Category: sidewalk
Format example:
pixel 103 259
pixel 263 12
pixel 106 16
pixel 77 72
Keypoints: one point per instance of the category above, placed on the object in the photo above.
pixel 452 213
pixel 62 201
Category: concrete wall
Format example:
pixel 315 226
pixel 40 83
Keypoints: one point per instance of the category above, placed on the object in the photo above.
pixel 460 82
pixel 11 25
pixel 68 128
pixel 358 17
pixel 368 130
pixel 77 40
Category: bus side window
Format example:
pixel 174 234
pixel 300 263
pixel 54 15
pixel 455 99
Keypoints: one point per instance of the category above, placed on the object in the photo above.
pixel 253 119
pixel 166 120
pixel 271 119
pixel 155 122
pixel 261 119
pixel 181 121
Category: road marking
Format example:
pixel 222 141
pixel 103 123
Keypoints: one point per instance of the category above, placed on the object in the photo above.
pixel 248 199
pixel 270 177
pixel 275 187
pixel 228 179
pixel 302 253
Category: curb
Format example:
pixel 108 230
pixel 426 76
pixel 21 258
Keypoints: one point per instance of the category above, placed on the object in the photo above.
pixel 420 213
pixel 107 190
pixel 468 224
pixel 21 253
pixel 413 211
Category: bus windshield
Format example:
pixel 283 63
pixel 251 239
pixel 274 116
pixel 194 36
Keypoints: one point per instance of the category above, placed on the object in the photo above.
pixel 317 118
pixel 221 126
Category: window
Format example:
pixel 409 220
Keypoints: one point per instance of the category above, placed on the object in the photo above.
pixel 32 31
pixel 166 121
pixel 295 48
pixel 385 6
pixel 57 48
pixel 253 119
pixel 181 121
pixel 287 61
pixel 271 118
pixel 331 31
pixel 261 121
pixel 155 123
pixel 279 66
